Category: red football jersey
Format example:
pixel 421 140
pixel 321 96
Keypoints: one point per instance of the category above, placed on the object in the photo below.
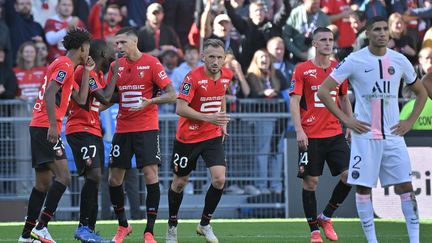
pixel 56 24
pixel 203 95
pixel 86 119
pixel 60 71
pixel 316 120
pixel 138 79
pixel 29 81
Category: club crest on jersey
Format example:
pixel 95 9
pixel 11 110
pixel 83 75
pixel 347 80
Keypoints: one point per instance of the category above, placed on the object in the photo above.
pixel 141 74
pixel 60 76
pixel 391 70
pixel 186 88
pixel 92 84
pixel 292 85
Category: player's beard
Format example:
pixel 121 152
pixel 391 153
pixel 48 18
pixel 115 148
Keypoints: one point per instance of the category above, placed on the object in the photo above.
pixel 213 69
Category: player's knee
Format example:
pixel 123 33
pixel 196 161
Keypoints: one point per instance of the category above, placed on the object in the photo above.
pixel 403 188
pixel 94 175
pixel 113 181
pixel 218 181
pixel 344 177
pixel 64 178
pixel 310 183
pixel 179 183
pixel 42 186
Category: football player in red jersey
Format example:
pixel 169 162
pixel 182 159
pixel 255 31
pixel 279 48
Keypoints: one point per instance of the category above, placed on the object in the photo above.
pixel 84 135
pixel 319 133
pixel 137 130
pixel 48 155
pixel 201 105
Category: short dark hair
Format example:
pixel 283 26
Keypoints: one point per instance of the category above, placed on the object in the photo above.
pixel 373 20
pixel 75 38
pixel 97 47
pixel 321 29
pixel 190 48
pixel 213 43
pixel 127 31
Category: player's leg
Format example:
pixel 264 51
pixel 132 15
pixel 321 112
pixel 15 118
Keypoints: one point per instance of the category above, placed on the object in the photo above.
pixel 183 161
pixel 147 151
pixel 365 163
pixel 214 156
pixel 120 161
pixel 36 200
pixel 62 180
pixel 338 161
pixel 310 167
pixel 396 170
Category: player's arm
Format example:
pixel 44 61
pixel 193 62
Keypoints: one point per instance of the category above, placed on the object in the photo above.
pixel 421 96
pixel 302 139
pixel 184 110
pixel 81 96
pixel 328 85
pixel 49 98
pixel 168 96
pixel 427 82
pixel 104 95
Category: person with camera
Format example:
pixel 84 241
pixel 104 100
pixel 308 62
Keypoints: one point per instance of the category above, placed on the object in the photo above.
pixel 297 33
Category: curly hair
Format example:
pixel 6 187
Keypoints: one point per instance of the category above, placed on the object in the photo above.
pixel 75 38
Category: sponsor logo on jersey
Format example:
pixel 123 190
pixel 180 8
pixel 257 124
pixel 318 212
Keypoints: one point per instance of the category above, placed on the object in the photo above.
pixel 201 82
pixel 186 88
pixel 292 85
pixel 162 74
pixel 391 70
pixel 61 75
pixel 131 87
pixel 225 81
pixel 93 85
pixel 311 72
pixel 143 67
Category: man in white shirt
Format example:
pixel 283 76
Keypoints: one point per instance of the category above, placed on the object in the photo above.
pixel 378 149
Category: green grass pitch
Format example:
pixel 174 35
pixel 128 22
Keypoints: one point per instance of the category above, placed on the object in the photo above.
pixel 232 231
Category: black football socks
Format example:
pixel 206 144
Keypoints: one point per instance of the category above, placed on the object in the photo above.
pixel 35 204
pixel 53 197
pixel 310 209
pixel 174 201
pixel 152 205
pixel 212 199
pixel 340 192
pixel 117 201
pixel 89 189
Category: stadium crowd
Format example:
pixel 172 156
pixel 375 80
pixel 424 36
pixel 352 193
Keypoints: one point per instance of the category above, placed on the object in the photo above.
pixel 264 41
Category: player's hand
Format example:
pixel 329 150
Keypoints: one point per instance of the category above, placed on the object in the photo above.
pixel 302 140
pixel 90 64
pixel 52 135
pixel 218 118
pixel 357 126
pixel 348 135
pixel 142 104
pixel 401 128
pixel 224 132
pixel 115 67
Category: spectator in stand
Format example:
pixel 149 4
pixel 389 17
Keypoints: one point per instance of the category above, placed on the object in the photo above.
pixel 339 12
pixel 399 40
pixel 57 26
pixel 265 83
pixel 29 76
pixel 112 18
pixel 135 12
pixel 155 37
pixel 81 10
pixel 19 19
pixel 423 67
pixel 5 39
pixel 170 62
pixel 427 40
pixel 42 56
pixel 191 61
pixel 43 10
pixel 241 8
pixel 178 15
pixel 222 28
pixel 8 84
pixel 239 87
pixel 374 8
pixel 358 24
pixel 417 14
pixel 276 48
pixel 257 29
pixel 297 32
